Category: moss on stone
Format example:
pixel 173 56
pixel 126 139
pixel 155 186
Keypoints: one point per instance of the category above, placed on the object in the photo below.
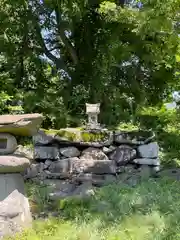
pixel 79 134
pixel 69 134
pixel 93 137
pixel 19 131
pixel 50 131
pixel 86 137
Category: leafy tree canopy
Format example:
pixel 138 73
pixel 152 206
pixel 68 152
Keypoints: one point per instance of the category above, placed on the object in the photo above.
pixel 57 55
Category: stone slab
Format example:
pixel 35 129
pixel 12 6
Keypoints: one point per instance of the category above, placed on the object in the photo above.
pixel 149 150
pixel 92 166
pixel 77 137
pixel 69 152
pixel 13 164
pixel 46 152
pixel 21 125
pixel 147 161
pixel 92 108
pixel 133 137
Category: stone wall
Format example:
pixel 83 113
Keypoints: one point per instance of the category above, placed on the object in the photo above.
pixel 15 215
pixel 72 162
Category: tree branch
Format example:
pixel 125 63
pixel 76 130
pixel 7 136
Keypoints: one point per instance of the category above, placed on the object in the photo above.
pixel 57 61
pixel 64 38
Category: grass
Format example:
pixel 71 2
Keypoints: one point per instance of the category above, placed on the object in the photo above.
pixel 150 211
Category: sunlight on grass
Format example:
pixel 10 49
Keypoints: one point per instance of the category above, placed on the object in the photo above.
pixel 151 211
pixel 138 227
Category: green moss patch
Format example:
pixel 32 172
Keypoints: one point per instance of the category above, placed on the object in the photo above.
pixel 94 137
pixel 69 135
pixel 78 134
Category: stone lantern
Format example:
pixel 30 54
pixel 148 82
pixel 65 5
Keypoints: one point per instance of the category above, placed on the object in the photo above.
pixel 15 214
pixel 92 110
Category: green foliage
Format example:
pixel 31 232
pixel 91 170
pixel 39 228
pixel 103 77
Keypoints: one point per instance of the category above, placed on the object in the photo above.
pixel 165 123
pixel 94 137
pixel 4 98
pixel 156 118
pixel 110 55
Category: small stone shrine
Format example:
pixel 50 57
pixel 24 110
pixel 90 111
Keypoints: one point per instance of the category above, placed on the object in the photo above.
pixel 72 161
pixel 14 206
pixel 92 110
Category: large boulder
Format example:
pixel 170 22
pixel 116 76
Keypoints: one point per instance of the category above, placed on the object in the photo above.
pixel 149 150
pixel 14 206
pixel 46 152
pixel 8 143
pixel 13 164
pixel 20 125
pixel 123 154
pixel 61 166
pixel 92 166
pixel 69 152
pixel 93 154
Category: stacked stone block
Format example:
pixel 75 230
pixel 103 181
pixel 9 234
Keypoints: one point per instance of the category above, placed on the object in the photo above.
pixel 119 156
pixel 14 206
